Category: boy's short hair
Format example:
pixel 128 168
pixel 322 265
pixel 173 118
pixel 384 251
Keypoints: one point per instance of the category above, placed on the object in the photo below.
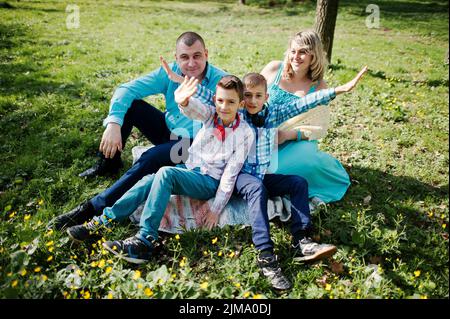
pixel 189 38
pixel 231 82
pixel 254 79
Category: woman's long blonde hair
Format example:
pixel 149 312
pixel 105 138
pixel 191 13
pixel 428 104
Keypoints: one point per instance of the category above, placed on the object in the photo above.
pixel 309 40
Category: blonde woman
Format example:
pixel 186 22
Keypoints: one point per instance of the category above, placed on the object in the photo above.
pixel 301 73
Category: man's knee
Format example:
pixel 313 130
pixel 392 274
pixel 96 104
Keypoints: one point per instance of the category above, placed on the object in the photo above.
pixel 300 183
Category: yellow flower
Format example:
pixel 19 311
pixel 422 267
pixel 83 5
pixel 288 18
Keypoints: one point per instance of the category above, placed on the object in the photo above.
pixel 94 264
pixel 50 249
pixel 12 215
pixel 219 253
pixel 327 287
pixel 50 243
pixel 214 241
pixel 23 272
pixel 444 226
pixel 237 285
pixel 140 286
pixel 137 275
pixel 41 201
pixel 423 297
pixel 417 273
pixel 65 293
pixel 109 261
pixel 231 254
pixel 26 217
pixel 204 285
pixel 247 293
pixel 87 295
pixel 257 296
pixel 430 214
pixel 205 253
pixel 110 296
pixel 148 292
pixel 37 269
pixel 358 291
pixel 101 264
pixel 14 283
pixel 177 237
pixel 44 278
pixel 174 275
pixel 108 269
pixel 182 263
pixel 50 258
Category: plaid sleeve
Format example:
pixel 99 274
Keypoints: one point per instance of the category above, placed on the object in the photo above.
pixel 301 105
pixel 205 95
pixel 196 110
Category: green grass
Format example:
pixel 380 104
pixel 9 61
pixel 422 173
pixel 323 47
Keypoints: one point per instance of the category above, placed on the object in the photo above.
pixel 391 134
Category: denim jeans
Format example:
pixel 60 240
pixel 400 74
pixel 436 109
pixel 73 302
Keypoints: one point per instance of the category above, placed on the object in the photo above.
pixel 257 193
pixel 151 122
pixel 155 191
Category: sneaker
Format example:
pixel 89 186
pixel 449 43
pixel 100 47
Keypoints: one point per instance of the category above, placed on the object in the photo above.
pixel 307 250
pixel 103 167
pixel 76 216
pixel 90 230
pixel 133 249
pixel 271 269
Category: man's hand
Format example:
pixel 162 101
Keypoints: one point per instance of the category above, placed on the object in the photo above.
pixel 211 219
pixel 347 87
pixel 111 140
pixel 185 91
pixel 172 75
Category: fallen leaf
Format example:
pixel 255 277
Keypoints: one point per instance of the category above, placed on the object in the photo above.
pixel 375 259
pixel 337 267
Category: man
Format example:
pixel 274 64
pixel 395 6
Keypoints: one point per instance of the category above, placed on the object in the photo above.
pixel 164 130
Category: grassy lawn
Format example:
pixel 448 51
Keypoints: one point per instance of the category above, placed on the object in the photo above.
pixel 391 134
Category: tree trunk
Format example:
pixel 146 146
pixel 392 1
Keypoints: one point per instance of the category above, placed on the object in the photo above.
pixel 326 13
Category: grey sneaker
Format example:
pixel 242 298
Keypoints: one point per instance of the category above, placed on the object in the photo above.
pixel 91 230
pixel 271 269
pixel 307 250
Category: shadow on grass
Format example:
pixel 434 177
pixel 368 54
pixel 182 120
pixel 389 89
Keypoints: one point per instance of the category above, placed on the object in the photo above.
pixel 383 76
pixel 392 196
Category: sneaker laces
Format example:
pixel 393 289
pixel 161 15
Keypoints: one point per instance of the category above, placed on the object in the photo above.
pixel 132 241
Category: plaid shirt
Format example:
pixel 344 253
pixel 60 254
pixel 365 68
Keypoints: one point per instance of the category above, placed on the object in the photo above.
pixel 258 160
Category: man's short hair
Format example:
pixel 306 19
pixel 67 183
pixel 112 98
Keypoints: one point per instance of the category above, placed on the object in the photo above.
pixel 254 79
pixel 231 82
pixel 189 38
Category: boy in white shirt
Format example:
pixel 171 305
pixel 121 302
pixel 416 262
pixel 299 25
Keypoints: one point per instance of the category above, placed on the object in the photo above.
pixel 215 158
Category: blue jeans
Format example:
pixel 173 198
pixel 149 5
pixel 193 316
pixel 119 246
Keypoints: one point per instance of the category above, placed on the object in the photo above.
pixel 151 122
pixel 257 193
pixel 155 190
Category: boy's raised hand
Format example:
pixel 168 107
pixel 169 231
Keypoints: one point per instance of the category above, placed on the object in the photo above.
pixel 172 75
pixel 185 91
pixel 347 87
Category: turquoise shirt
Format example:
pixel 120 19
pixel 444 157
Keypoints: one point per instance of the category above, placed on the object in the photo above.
pixel 157 82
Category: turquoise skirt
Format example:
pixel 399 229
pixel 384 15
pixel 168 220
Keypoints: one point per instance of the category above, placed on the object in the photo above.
pixel 327 178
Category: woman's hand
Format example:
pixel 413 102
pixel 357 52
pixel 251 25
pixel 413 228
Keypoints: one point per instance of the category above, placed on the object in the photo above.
pixel 172 75
pixel 185 91
pixel 347 87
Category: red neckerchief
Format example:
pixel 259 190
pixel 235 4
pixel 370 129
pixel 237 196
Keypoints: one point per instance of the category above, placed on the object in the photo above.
pixel 219 129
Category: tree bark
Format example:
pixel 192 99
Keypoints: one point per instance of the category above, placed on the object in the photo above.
pixel 326 13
